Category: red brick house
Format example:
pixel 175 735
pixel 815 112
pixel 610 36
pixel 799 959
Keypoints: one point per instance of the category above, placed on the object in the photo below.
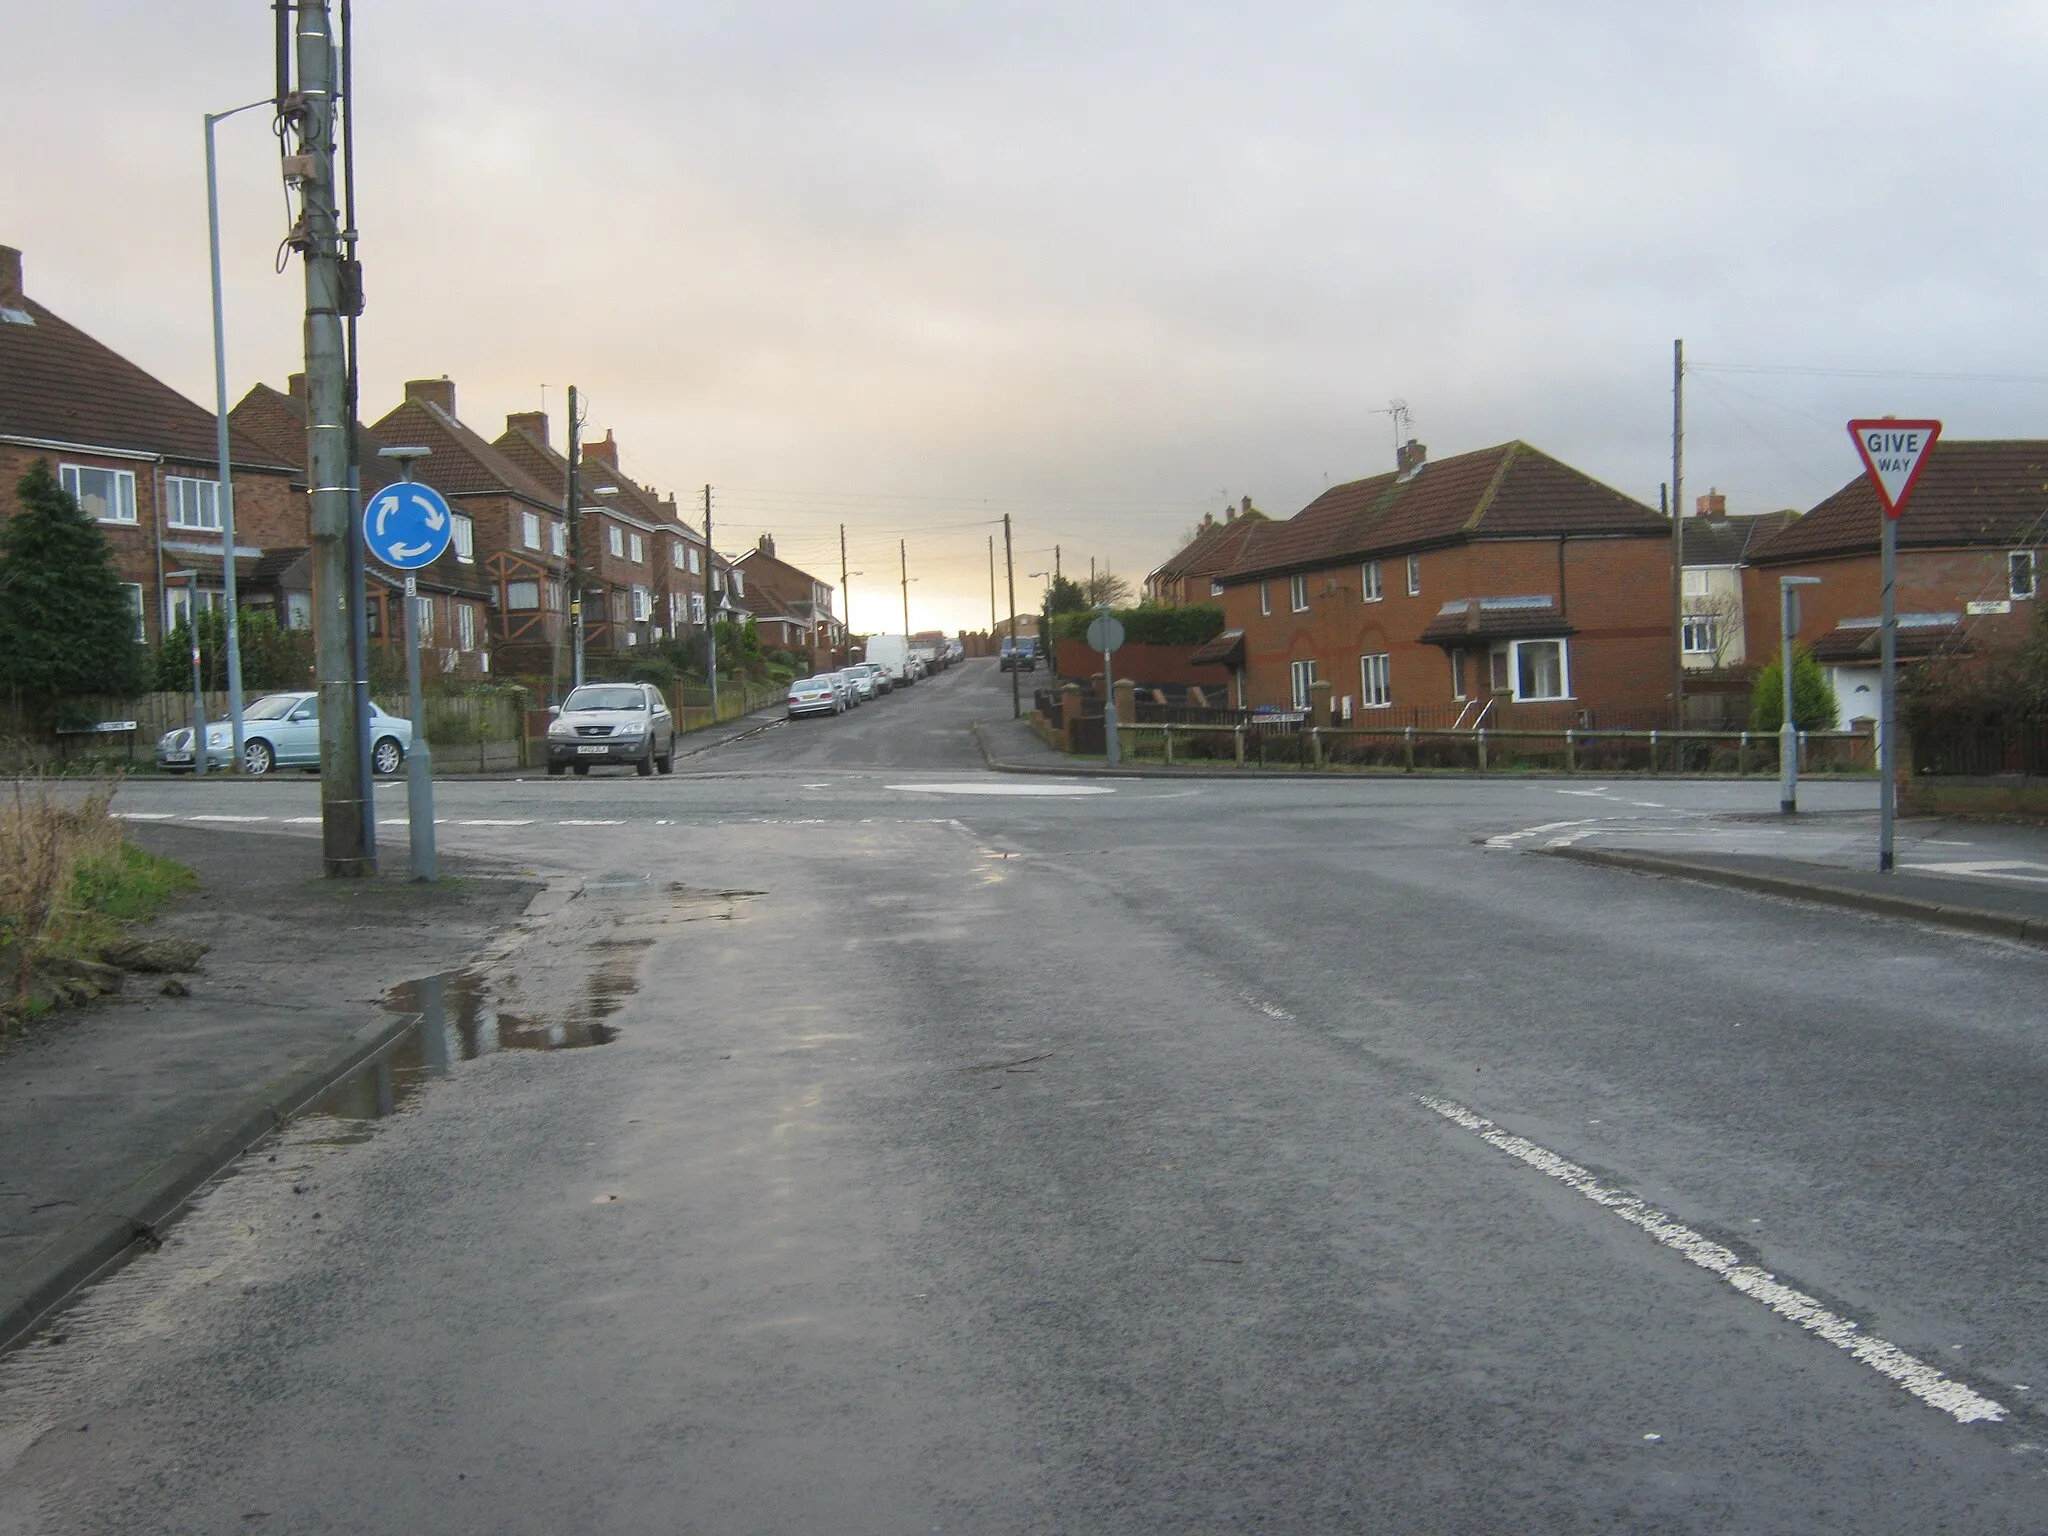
pixel 793 607
pixel 1501 587
pixel 1193 574
pixel 455 600
pixel 1969 575
pixel 518 542
pixel 138 456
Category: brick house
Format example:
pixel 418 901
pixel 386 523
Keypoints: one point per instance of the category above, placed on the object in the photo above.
pixel 1500 587
pixel 518 542
pixel 1970 566
pixel 1718 548
pixel 455 600
pixel 1193 574
pixel 138 456
pixel 794 607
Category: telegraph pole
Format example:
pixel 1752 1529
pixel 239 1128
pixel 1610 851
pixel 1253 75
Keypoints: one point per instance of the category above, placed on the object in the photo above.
pixel 903 558
pixel 345 803
pixel 845 598
pixel 572 512
pixel 1678 539
pixel 1010 565
pixel 710 612
pixel 991 586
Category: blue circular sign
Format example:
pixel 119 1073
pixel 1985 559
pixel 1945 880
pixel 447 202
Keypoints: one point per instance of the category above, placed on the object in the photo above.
pixel 407 525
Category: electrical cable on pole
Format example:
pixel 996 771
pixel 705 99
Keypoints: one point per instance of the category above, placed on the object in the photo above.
pixel 358 571
pixel 845 599
pixel 572 514
pixel 903 559
pixel 1010 564
pixel 710 611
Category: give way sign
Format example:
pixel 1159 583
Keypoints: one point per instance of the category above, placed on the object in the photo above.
pixel 1894 452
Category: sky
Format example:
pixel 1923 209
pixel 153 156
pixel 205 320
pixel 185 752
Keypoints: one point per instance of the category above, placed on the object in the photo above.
pixel 908 267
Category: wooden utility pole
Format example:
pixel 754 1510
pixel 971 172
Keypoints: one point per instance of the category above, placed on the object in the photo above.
pixel 845 598
pixel 903 558
pixel 710 611
pixel 1678 537
pixel 572 515
pixel 991 586
pixel 345 803
pixel 1010 565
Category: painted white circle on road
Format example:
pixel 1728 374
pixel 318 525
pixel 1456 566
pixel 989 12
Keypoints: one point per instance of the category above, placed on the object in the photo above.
pixel 1005 787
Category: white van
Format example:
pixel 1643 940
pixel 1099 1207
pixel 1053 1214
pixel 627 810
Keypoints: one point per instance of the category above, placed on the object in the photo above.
pixel 892 654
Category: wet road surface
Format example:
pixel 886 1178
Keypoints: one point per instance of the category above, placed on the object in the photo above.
pixel 1125 1155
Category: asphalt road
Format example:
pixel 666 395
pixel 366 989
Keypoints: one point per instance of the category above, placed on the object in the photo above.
pixel 1120 1155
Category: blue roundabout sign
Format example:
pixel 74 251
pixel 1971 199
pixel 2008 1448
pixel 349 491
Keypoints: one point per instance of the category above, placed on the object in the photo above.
pixel 407 525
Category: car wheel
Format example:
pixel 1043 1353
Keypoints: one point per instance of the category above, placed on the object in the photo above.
pixel 645 767
pixel 582 770
pixel 386 756
pixel 257 758
pixel 667 761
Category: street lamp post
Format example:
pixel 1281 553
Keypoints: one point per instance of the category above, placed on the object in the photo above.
pixel 419 762
pixel 1788 732
pixel 225 491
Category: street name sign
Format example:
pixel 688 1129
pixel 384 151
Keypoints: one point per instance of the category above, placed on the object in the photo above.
pixel 1105 632
pixel 407 525
pixel 1894 452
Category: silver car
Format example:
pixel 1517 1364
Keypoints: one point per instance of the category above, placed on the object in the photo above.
pixel 814 696
pixel 612 723
pixel 282 730
pixel 861 681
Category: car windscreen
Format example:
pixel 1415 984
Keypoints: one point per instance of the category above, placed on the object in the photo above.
pixel 628 699
pixel 275 707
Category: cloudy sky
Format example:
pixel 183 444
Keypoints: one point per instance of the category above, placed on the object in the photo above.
pixel 910 266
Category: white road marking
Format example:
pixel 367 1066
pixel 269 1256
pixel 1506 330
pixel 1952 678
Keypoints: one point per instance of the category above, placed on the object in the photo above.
pixel 1003 787
pixel 228 818
pixel 1509 839
pixel 1931 1386
pixel 1648 805
pixel 484 823
pixel 1988 869
pixel 395 821
pixel 144 815
pixel 1591 793
pixel 590 823
pixel 302 821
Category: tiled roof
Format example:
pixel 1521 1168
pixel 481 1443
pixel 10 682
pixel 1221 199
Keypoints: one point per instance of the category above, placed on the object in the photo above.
pixel 1860 640
pixel 1731 540
pixel 599 483
pixel 1495 618
pixel 462 463
pixel 58 384
pixel 1214 549
pixel 1511 491
pixel 278 421
pixel 1224 650
pixel 1990 493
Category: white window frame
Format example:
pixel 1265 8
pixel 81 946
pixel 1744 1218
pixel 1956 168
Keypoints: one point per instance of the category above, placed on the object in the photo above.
pixel 638 551
pixel 1376 681
pixel 1415 575
pixel 1215 587
pixel 676 557
pixel 696 607
pixel 1370 588
pixel 1457 659
pixel 463 539
pixel 135 602
pixel 616 537
pixel 465 627
pixel 1564 670
pixel 529 530
pixel 558 539
pixel 643 604
pixel 1265 600
pixel 695 568
pixel 424 607
pixel 1700 634
pixel 2023 574
pixel 177 599
pixel 1297 594
pixel 120 493
pixel 1698 582
pixel 513 592
pixel 554 595
pixel 1301 678
pixel 191 505
pixel 739 584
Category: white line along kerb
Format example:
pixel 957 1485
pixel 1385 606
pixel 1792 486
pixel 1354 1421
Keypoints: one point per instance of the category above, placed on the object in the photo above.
pixel 1931 1386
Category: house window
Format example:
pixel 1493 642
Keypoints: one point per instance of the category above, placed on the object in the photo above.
pixel 1415 576
pixel 1215 587
pixel 639 551
pixel 1369 588
pixel 675 554
pixel 1457 673
pixel 696 607
pixel 192 504
pixel 1696 583
pixel 558 540
pixel 695 568
pixel 1297 593
pixel 618 540
pixel 373 617
pixel 1499 672
pixel 618 607
pixel 643 605
pixel 1376 681
pixel 426 611
pixel 1540 670
pixel 104 495
pixel 1303 677
pixel 529 530
pixel 1265 600
pixel 465 626
pixel 178 604
pixel 298 610
pixel 522 595
pixel 554 595
pixel 717 580
pixel 2020 567
pixel 739 583
pixel 1702 634
pixel 132 590
pixel 464 540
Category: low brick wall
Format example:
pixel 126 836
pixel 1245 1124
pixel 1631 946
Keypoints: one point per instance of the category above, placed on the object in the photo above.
pixel 2002 795
pixel 1161 666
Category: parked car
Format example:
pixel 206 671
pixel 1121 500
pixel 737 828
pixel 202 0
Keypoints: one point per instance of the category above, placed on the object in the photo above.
pixel 875 675
pixel 1019 654
pixel 612 723
pixel 956 652
pixel 814 696
pixel 892 654
pixel 860 681
pixel 282 730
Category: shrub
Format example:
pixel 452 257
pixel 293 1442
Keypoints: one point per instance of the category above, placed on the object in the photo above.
pixel 1152 624
pixel 65 623
pixel 1813 700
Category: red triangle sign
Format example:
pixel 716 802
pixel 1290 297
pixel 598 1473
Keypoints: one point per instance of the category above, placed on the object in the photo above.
pixel 1894 452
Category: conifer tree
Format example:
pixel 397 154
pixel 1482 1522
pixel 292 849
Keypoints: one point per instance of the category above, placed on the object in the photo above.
pixel 66 627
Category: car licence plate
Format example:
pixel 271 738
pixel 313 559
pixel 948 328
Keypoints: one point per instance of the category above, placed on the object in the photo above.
pixel 596 751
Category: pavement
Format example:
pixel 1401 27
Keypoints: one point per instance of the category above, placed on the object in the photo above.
pixel 1072 1153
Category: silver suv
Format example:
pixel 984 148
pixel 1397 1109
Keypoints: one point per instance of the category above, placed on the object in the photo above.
pixel 612 723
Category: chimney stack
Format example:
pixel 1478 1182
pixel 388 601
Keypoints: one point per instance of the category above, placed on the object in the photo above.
pixel 606 450
pixel 439 392
pixel 1244 506
pixel 1410 457
pixel 535 422
pixel 10 277
pixel 1713 504
pixel 766 544
pixel 295 386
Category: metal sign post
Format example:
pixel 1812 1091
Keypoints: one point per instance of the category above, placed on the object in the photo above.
pixel 407 526
pixel 1788 732
pixel 1106 634
pixel 1894 452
